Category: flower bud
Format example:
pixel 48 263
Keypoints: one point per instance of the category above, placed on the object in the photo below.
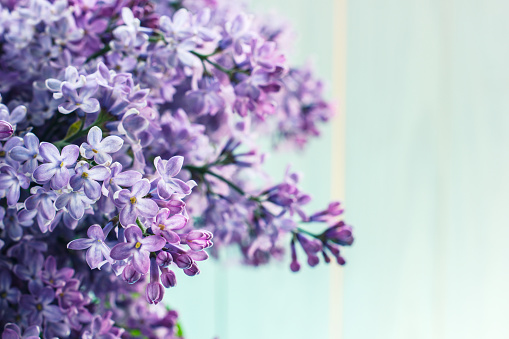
pixel 168 278
pixel 130 275
pixel 184 261
pixel 154 293
pixel 198 240
pixel 6 129
pixel 164 259
pixel 192 271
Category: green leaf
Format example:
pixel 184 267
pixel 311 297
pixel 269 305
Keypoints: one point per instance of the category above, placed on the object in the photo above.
pixel 74 129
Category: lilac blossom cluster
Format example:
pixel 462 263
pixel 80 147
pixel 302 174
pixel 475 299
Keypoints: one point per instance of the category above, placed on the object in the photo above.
pixel 128 134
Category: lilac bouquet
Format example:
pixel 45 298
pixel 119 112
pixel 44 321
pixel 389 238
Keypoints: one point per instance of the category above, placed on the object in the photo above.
pixel 129 136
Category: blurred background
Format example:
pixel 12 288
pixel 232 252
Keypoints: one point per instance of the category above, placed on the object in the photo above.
pixel 419 154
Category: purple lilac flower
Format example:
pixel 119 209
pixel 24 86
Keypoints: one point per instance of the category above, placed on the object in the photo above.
pixel 198 240
pixel 82 101
pixel 166 225
pixel 154 292
pixel 8 294
pixel 12 331
pixel 75 202
pixel 11 181
pixel 97 251
pixel 56 166
pixel 133 203
pixel 87 178
pixel 53 277
pixel 168 169
pixel 118 179
pixel 37 306
pixel 99 148
pixel 16 116
pixel 137 246
pixel 42 201
pixel 28 155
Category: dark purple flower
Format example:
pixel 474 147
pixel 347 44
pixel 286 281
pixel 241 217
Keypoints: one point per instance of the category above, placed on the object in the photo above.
pixel 56 166
pixel 87 178
pixel 137 246
pixel 168 278
pixel 37 306
pixel 340 234
pixel 97 249
pixel 154 292
pixel 130 274
pixel 133 203
pixel 52 276
pixel 8 293
pixel 6 129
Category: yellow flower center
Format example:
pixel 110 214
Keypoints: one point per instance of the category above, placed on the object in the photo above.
pixel 84 175
pixel 161 227
pixel 62 164
pixel 39 307
pixel 138 245
pixel 94 150
pixel 133 200
pixel 35 155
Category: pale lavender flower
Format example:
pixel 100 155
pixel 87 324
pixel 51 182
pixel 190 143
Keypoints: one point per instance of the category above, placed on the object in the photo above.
pixel 11 181
pixel 99 148
pixel 119 179
pixel 75 202
pixel 71 79
pixel 133 203
pixel 28 155
pixel 137 246
pixel 83 100
pixel 13 118
pixel 55 168
pixel 97 251
pixel 42 200
pixel 87 178
pixel 168 169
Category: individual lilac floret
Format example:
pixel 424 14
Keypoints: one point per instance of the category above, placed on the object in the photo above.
pixel 83 101
pixel 12 331
pixel 56 166
pixel 6 129
pixel 17 115
pixel 27 155
pixel 340 234
pixel 97 249
pixel 38 305
pixel 98 148
pixel 87 178
pixel 165 225
pixel 134 203
pixel 198 240
pixel 155 291
pixel 42 200
pixel 168 169
pixel 137 246
pixel 52 276
pixel 72 79
pixel 118 178
pixel 8 294
pixel 76 202
pixel 10 183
